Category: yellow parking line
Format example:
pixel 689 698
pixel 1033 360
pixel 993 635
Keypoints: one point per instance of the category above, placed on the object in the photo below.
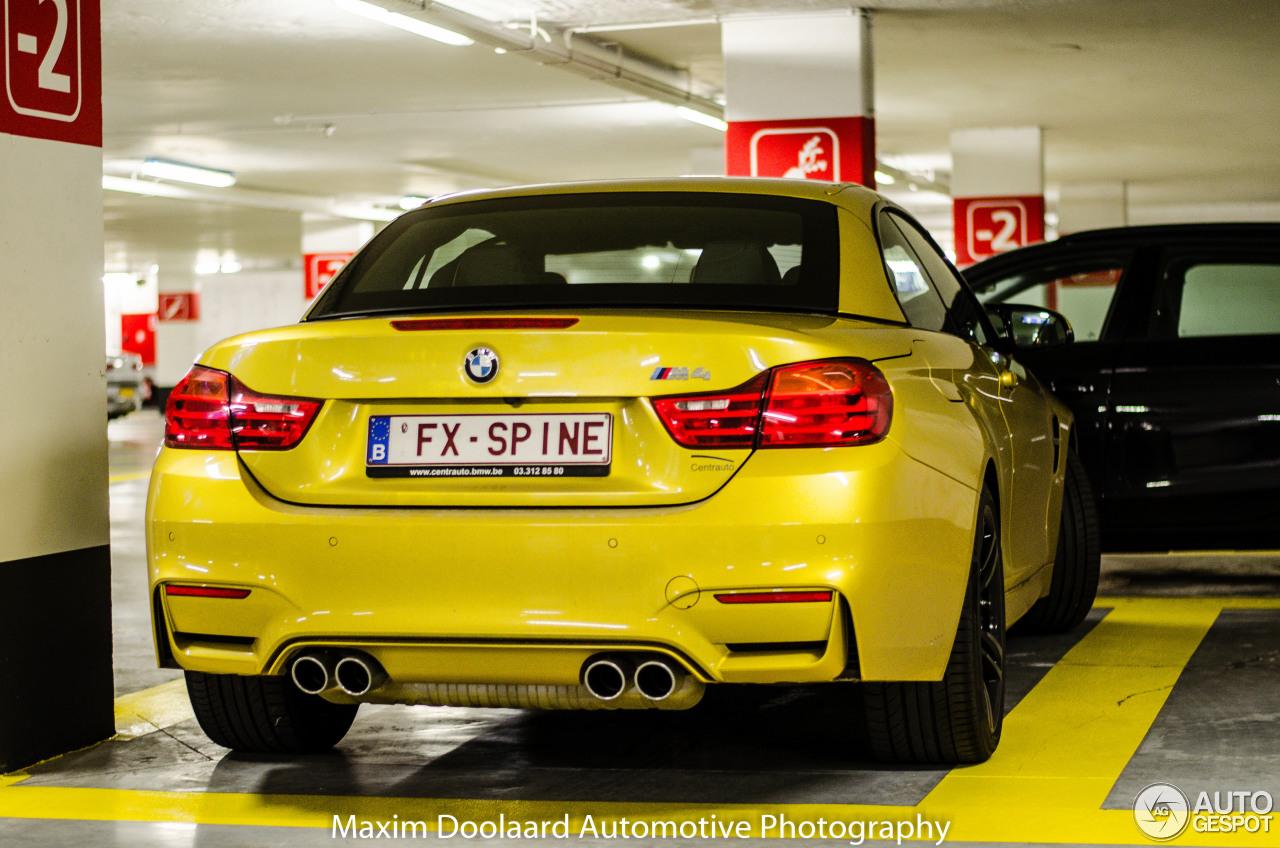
pixel 1064 747
pixel 120 478
pixel 152 709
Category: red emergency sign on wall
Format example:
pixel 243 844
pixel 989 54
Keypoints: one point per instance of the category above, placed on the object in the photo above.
pixel 53 70
pixel 985 226
pixel 831 149
pixel 138 335
pixel 320 268
pixel 179 306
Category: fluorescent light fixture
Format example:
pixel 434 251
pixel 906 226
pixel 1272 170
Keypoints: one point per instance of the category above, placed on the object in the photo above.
pixel 412 201
pixel 207 267
pixel 701 118
pixel 884 179
pixel 231 266
pixel 404 22
pixel 163 169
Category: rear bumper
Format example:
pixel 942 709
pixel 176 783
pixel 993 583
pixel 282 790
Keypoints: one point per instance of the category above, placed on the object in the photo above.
pixel 522 597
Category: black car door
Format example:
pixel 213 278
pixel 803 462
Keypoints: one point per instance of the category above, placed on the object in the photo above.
pixel 1193 436
pixel 1091 286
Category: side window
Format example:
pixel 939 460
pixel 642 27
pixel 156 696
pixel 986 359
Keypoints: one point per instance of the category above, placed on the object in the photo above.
pixel 1081 288
pixel 963 312
pixel 1219 297
pixel 919 301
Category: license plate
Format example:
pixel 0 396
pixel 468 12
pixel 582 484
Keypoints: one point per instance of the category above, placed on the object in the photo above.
pixel 538 445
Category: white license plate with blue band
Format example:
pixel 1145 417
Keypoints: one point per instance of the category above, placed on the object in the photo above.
pixel 539 445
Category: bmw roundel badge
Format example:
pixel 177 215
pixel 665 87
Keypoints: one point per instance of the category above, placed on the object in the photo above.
pixel 481 365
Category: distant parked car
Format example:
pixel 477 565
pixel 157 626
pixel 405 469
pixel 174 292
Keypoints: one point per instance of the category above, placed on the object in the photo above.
pixel 1174 375
pixel 127 387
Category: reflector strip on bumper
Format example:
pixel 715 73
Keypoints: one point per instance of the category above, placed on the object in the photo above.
pixel 773 597
pixel 206 592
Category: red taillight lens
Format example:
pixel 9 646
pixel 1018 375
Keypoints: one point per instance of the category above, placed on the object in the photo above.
pixel 831 403
pixel 212 410
pixel 198 413
pixel 715 420
pixel 828 403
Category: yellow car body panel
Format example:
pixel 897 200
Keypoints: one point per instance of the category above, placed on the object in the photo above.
pixel 516 583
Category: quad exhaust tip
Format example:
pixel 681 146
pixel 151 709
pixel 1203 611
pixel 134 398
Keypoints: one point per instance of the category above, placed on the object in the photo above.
pixel 354 674
pixel 606 679
pixel 310 674
pixel 656 680
pixel 609 677
pixel 358 675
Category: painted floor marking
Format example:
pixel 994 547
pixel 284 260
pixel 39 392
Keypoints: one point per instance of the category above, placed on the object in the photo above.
pixel 152 709
pixel 1064 746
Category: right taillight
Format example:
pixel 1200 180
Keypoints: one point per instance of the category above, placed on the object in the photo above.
pixel 212 410
pixel 825 403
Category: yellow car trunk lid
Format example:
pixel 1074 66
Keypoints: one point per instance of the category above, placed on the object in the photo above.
pixel 472 411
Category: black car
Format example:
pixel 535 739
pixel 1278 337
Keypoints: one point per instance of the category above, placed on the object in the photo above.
pixel 1174 374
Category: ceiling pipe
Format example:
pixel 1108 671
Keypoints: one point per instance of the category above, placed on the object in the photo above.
pixel 575 52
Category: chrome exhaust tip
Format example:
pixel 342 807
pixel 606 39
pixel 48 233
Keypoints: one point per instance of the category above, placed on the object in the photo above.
pixel 358 675
pixel 310 674
pixel 606 679
pixel 657 680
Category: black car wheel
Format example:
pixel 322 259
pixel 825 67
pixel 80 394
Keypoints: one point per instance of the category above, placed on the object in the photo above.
pixel 265 715
pixel 1076 565
pixel 958 719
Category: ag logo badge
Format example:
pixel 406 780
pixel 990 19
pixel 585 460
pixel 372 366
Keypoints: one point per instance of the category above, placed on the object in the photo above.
pixel 481 365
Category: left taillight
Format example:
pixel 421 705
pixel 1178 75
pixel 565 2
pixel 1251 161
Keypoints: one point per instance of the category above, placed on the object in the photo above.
pixel 212 410
pixel 822 403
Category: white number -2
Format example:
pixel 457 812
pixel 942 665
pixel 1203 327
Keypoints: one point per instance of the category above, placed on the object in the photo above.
pixel 48 78
pixel 1004 239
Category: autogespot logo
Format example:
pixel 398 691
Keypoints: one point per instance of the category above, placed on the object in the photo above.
pixel 481 365
pixel 1161 811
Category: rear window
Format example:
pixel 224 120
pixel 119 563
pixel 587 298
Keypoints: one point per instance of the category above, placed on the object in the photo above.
pixel 651 249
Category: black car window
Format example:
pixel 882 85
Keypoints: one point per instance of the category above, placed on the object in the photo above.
pixel 964 315
pixel 1218 297
pixel 676 250
pixel 920 301
pixel 1080 287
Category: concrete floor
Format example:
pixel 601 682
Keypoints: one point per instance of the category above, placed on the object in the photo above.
pixel 1174 678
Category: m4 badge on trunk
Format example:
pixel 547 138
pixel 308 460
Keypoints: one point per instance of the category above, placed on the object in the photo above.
pixel 661 373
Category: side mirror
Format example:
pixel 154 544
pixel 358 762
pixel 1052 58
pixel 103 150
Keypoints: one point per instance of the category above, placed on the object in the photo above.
pixel 1030 326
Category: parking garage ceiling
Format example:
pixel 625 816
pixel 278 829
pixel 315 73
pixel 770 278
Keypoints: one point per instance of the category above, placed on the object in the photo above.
pixel 316 109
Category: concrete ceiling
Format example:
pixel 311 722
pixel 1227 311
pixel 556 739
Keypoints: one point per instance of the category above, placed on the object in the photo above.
pixel 317 109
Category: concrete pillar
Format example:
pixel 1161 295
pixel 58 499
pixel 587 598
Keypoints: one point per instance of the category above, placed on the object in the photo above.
pixel 997 190
pixel 55 559
pixel 800 97
pixel 1090 206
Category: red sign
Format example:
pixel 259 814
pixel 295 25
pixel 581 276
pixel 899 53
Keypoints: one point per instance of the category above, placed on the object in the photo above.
pixel 320 268
pixel 179 306
pixel 138 335
pixel 831 149
pixel 985 226
pixel 53 70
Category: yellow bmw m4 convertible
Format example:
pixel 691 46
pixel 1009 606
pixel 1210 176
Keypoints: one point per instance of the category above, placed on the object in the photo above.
pixel 604 445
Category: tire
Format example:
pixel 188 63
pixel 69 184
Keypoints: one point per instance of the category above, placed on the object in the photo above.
pixel 265 715
pixel 1076 564
pixel 958 719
